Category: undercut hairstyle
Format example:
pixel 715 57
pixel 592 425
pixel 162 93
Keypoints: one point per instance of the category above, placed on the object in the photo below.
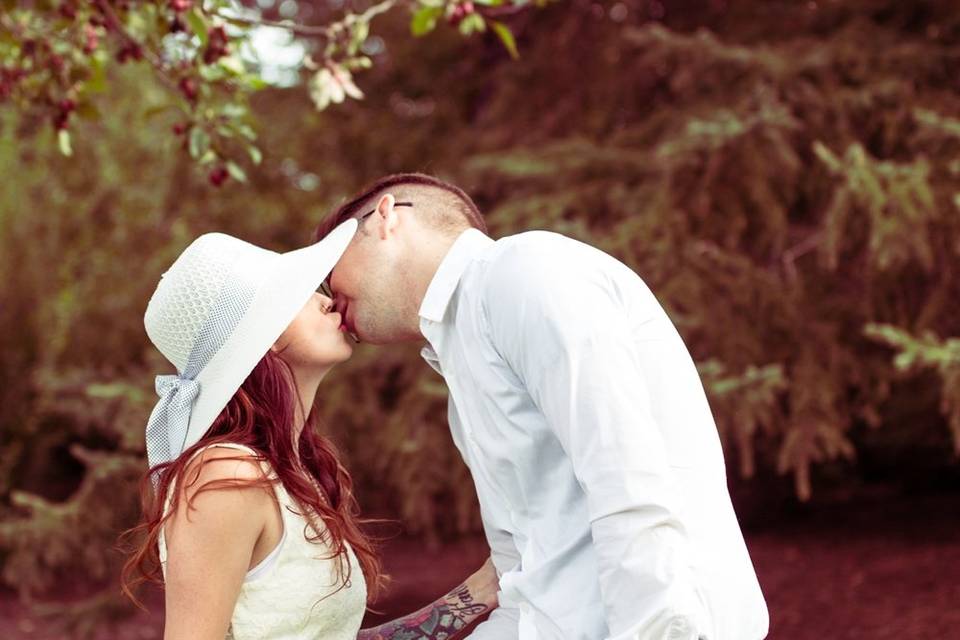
pixel 441 205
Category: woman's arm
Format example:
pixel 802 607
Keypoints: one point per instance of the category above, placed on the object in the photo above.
pixel 209 549
pixel 446 617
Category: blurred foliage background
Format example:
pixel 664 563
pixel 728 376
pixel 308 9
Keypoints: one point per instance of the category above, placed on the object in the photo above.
pixel 784 175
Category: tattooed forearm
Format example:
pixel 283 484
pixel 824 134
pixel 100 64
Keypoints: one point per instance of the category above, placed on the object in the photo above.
pixel 441 620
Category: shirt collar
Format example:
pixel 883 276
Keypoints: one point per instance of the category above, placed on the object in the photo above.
pixel 466 247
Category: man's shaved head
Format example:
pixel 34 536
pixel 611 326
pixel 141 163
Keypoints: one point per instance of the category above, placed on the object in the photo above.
pixel 443 206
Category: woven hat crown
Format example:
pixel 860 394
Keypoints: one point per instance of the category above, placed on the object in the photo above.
pixel 202 296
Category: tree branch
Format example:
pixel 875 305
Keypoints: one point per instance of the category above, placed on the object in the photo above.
pixel 328 31
pixel 500 11
pixel 114 20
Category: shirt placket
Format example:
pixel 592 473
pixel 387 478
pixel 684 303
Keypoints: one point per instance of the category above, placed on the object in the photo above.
pixel 527 628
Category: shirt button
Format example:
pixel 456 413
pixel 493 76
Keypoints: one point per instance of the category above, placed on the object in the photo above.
pixel 525 608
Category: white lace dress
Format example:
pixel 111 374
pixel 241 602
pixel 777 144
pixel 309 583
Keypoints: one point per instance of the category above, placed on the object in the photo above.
pixel 288 595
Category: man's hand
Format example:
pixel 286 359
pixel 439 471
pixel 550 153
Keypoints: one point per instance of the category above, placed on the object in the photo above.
pixel 447 617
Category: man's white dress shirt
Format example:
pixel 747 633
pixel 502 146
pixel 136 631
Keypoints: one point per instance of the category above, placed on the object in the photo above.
pixel 598 467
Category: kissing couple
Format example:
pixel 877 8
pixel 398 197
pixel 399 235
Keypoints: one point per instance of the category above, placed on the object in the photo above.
pixel 573 400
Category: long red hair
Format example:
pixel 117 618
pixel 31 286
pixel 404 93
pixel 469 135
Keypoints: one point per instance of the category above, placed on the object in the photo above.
pixel 260 415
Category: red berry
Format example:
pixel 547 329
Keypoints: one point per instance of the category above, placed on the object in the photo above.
pixel 128 52
pixel 179 6
pixel 189 88
pixel 467 7
pixel 218 176
pixel 218 35
pixel 92 39
pixel 457 15
pixel 60 120
pixel 67 105
pixel 68 10
pixel 180 128
pixel 216 45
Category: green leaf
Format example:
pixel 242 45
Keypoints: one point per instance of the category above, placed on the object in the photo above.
pixel 506 37
pixel 425 20
pixel 213 73
pixel 255 155
pixel 63 139
pixel 254 82
pixel 234 110
pixel 360 62
pixel 233 64
pixel 360 33
pixel 236 172
pixel 198 25
pixel 199 142
pixel 156 110
pixel 112 390
pixel 237 22
pixel 473 22
pixel 246 131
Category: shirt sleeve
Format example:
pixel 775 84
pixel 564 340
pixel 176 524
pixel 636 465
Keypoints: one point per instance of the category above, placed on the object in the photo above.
pixel 561 324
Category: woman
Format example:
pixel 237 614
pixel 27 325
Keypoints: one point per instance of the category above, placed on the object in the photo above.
pixel 249 518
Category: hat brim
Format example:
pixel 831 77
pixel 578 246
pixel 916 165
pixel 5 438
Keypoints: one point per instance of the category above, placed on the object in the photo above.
pixel 279 299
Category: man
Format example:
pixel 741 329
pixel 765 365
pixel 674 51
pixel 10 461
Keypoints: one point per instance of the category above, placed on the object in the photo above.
pixel 578 410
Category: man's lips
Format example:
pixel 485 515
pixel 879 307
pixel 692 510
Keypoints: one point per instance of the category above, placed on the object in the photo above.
pixel 345 323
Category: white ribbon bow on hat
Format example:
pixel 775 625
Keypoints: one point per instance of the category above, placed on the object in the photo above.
pixel 167 427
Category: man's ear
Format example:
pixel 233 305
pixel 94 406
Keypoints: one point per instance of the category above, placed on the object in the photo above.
pixel 386 215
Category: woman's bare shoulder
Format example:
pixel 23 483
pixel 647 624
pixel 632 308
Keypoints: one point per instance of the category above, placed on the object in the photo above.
pixel 235 471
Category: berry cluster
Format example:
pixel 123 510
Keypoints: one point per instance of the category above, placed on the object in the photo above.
pixel 9 77
pixel 129 51
pixel 216 45
pixel 460 11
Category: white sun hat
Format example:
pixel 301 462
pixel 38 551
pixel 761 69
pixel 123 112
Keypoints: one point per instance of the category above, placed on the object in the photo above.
pixel 215 313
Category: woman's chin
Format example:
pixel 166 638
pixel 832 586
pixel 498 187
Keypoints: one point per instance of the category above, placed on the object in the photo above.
pixel 347 349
